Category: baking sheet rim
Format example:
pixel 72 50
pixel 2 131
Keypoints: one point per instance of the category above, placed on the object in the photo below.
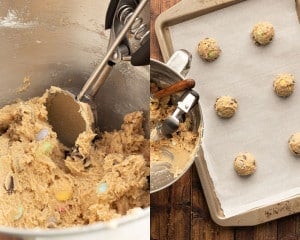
pixel 180 13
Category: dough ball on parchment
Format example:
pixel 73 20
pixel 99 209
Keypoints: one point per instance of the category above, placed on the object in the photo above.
pixel 294 144
pixel 226 106
pixel 208 49
pixel 244 164
pixel 263 33
pixel 284 84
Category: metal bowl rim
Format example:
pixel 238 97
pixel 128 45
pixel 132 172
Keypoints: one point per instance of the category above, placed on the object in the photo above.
pixel 200 131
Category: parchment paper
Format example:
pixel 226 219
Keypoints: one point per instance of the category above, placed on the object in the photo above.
pixel 263 122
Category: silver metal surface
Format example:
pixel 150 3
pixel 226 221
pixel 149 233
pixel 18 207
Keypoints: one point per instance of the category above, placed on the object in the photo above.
pixel 93 90
pixel 171 124
pixel 139 29
pixel 65 117
pixel 97 77
pixel 164 75
pixel 60 43
pixel 185 105
pixel 180 62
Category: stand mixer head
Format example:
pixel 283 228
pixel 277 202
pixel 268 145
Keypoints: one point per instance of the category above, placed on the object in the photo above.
pixel 129 41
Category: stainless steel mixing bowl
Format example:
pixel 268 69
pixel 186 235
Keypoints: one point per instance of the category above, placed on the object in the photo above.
pixel 59 43
pixel 165 74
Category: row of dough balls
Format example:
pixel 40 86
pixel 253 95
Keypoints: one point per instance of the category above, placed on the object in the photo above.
pixel 245 164
pixel 262 34
pixel 283 85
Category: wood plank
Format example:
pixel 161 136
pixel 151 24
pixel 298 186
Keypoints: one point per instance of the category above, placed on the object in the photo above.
pixel 286 228
pixel 160 211
pixel 202 225
pixel 242 233
pixel 298 226
pixel 170 211
pixel 267 231
pixel 5 237
pixel 179 222
pixel 157 7
pixel 155 10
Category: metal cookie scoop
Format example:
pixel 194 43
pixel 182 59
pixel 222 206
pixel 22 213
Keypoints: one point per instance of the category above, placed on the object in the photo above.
pixel 171 124
pixel 65 116
pixel 65 112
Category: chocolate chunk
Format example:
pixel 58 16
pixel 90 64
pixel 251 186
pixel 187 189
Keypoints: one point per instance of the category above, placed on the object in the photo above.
pixel 9 184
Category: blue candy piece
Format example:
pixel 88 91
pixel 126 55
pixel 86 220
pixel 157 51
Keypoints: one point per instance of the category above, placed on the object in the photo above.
pixel 42 134
pixel 102 187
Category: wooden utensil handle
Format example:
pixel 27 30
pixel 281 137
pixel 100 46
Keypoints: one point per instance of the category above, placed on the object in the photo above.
pixel 177 87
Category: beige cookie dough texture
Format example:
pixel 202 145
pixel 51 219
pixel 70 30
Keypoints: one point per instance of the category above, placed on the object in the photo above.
pixel 47 185
pixel 284 85
pixel 226 106
pixel 208 49
pixel 294 144
pixel 244 164
pixel 263 33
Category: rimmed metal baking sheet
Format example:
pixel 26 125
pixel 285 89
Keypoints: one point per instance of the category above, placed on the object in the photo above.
pixel 263 122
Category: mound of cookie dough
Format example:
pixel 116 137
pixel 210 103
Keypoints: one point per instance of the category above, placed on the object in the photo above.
pixel 263 33
pixel 294 144
pixel 284 85
pixel 226 106
pixel 244 164
pixel 45 184
pixel 208 49
pixel 182 142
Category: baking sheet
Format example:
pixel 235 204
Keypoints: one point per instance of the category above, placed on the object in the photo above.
pixel 263 122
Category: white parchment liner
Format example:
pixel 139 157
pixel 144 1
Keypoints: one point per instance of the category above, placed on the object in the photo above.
pixel 263 122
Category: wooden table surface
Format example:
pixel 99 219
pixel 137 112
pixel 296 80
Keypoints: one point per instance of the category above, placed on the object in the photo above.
pixel 180 212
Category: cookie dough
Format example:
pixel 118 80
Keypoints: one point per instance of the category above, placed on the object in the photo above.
pixel 46 184
pixel 244 164
pixel 294 144
pixel 175 152
pixel 208 49
pixel 226 106
pixel 263 33
pixel 284 85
